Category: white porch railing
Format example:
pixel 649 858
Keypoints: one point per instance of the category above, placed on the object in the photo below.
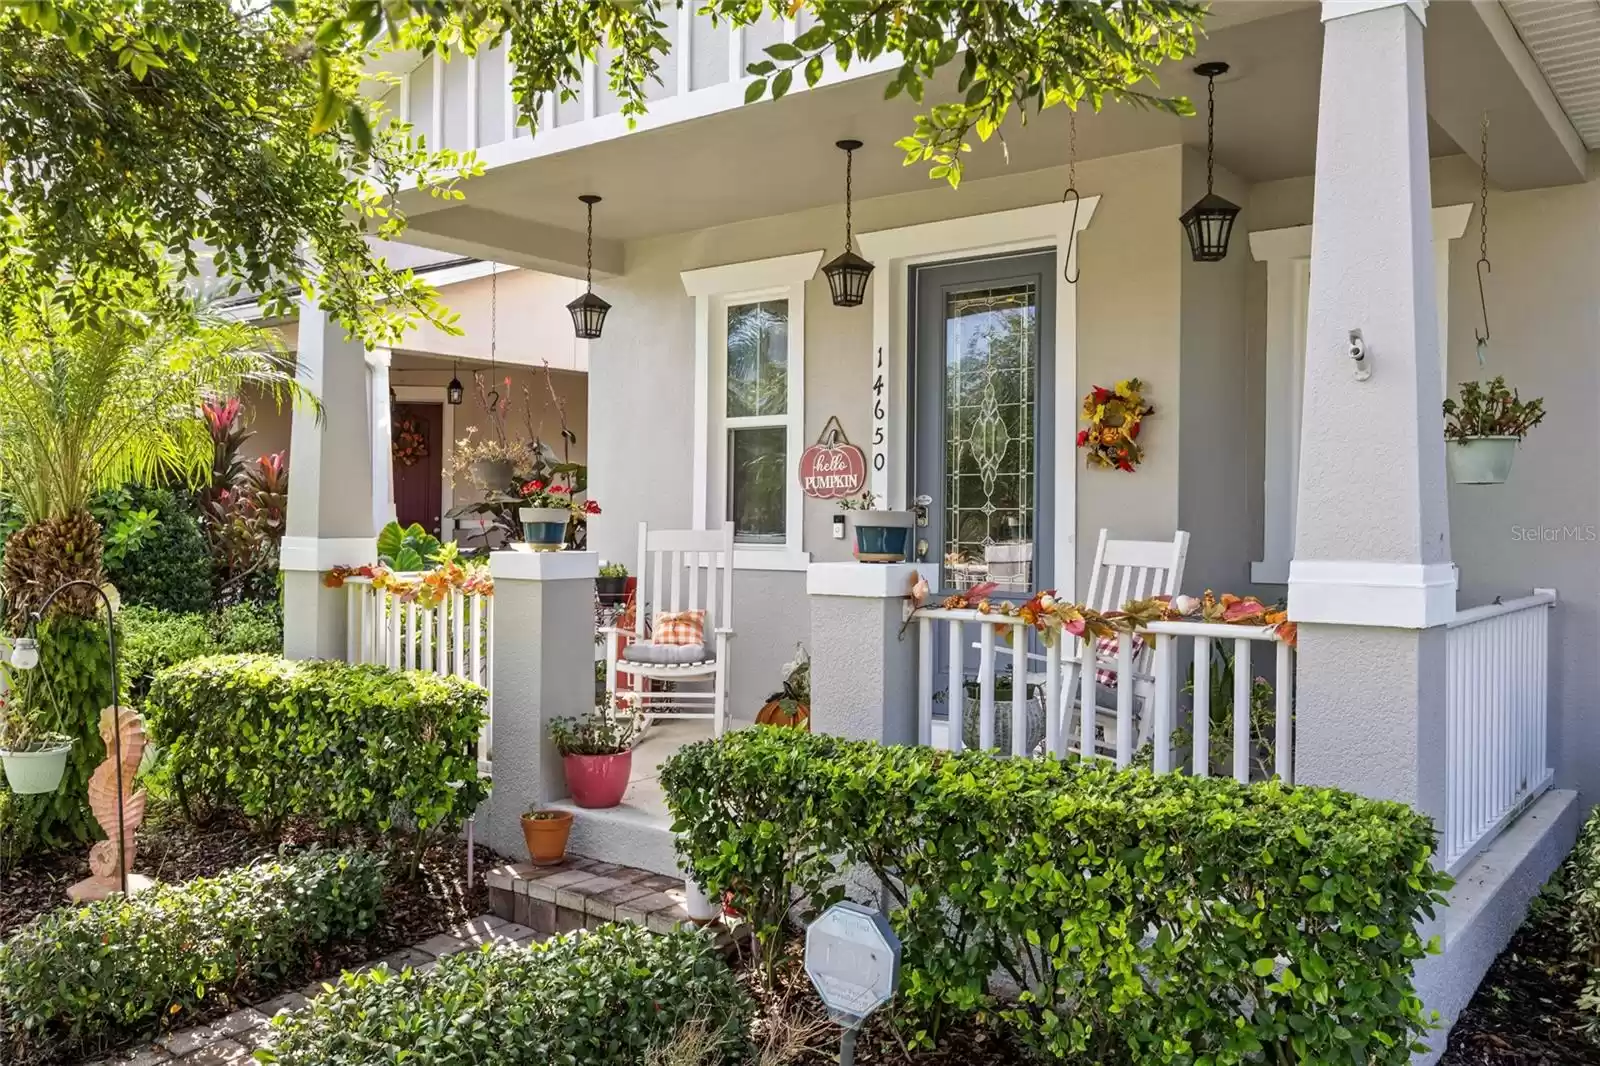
pixel 1144 707
pixel 450 639
pixel 1497 712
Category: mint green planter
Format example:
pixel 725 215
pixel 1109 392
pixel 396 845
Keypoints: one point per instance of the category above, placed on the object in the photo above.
pixel 31 772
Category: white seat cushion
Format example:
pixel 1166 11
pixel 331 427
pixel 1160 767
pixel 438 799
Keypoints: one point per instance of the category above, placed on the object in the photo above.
pixel 668 654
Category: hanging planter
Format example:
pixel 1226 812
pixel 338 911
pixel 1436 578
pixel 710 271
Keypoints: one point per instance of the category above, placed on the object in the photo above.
pixel 493 473
pixel 1482 429
pixel 36 767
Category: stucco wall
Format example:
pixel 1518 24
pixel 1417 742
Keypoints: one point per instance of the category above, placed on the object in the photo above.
pixel 1541 528
pixel 642 371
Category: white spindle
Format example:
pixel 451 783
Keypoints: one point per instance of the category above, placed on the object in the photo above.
pixel 986 687
pixel 1283 696
pixel 1241 710
pixel 1019 689
pixel 925 681
pixel 1052 700
pixel 955 691
pixel 1125 683
pixel 1162 727
pixel 1202 707
pixel 1088 663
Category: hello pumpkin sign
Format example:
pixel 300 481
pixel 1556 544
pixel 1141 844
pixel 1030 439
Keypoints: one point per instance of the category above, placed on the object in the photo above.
pixel 832 468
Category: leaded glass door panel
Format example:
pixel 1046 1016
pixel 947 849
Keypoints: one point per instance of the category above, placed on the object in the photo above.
pixel 983 430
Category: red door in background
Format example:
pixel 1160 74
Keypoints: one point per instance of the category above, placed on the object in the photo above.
pixel 418 467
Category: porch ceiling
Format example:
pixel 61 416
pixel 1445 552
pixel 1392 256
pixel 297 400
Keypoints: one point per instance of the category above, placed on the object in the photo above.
pixel 1564 39
pixel 769 159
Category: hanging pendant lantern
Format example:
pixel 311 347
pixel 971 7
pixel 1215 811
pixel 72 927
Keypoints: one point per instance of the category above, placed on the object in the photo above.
pixel 589 311
pixel 453 392
pixel 848 272
pixel 1209 223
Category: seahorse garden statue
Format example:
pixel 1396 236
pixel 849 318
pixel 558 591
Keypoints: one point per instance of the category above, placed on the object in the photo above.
pixel 104 879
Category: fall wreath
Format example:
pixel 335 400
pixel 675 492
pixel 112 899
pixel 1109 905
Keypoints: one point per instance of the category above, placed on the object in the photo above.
pixel 410 445
pixel 1114 415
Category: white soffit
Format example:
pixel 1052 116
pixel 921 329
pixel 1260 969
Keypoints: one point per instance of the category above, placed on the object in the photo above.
pixel 1563 36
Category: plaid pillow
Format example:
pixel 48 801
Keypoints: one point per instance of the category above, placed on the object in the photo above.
pixel 1106 648
pixel 679 627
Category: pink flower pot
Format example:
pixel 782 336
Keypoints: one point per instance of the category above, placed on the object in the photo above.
pixel 598 781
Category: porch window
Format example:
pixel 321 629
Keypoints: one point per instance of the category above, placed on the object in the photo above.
pixel 749 404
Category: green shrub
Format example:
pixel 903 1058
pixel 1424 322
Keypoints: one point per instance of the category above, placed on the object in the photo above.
pixel 350 747
pixel 1578 883
pixel 152 639
pixel 167 565
pixel 1148 918
pixel 601 998
pixel 77 974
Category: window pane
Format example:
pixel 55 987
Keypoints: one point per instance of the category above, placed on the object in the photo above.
pixel 990 369
pixel 757 469
pixel 758 359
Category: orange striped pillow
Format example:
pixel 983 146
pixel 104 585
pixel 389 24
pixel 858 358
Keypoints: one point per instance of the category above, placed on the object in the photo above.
pixel 679 627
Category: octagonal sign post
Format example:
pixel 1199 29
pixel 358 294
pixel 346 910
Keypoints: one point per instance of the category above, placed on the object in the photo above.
pixel 853 959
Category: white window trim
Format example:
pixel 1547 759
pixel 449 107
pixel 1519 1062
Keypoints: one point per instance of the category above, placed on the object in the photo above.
pixel 715 289
pixel 894 252
pixel 1287 253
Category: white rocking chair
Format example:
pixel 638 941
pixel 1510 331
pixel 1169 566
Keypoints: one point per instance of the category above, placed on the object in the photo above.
pixel 678 555
pixel 1123 570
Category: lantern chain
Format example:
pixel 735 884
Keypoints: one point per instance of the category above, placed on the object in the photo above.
pixel 1483 265
pixel 588 269
pixel 849 175
pixel 1211 125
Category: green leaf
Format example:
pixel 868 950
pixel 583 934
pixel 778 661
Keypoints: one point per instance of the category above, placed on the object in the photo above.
pixel 780 83
pixel 1263 967
pixel 755 90
pixel 784 51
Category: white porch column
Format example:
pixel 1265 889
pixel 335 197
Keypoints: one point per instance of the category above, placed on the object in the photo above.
pixel 1371 581
pixel 543 662
pixel 330 488
pixel 378 410
pixel 863 669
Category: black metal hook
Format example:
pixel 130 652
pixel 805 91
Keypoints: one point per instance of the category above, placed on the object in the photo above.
pixel 1072 239
pixel 1483 305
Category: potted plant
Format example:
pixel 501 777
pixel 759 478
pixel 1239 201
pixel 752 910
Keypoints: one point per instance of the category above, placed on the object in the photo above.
pixel 612 584
pixel 791 704
pixel 546 830
pixel 488 462
pixel 1482 429
pixel 972 714
pixel 880 536
pixel 34 756
pixel 597 753
pixel 545 513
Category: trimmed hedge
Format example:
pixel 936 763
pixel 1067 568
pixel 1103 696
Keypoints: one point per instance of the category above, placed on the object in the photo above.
pixel 152 639
pixel 1148 919
pixel 77 974
pixel 601 998
pixel 349 747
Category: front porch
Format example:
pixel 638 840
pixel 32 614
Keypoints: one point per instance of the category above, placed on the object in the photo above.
pixel 1426 670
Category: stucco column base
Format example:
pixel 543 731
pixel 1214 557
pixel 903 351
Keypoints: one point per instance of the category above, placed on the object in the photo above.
pixel 863 670
pixel 542 657
pixel 315 618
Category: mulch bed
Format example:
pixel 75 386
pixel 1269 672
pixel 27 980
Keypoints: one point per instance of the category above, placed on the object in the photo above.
pixel 171 850
pixel 1526 1011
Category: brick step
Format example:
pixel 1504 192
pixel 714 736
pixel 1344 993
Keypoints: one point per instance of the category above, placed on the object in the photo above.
pixel 582 893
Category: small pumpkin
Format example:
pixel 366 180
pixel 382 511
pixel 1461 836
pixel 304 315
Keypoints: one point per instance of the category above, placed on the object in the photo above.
pixel 785 712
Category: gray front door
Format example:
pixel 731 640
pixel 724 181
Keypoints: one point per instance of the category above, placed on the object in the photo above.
pixel 983 428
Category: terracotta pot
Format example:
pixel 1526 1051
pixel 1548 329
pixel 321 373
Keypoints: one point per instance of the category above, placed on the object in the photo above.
pixel 598 781
pixel 547 837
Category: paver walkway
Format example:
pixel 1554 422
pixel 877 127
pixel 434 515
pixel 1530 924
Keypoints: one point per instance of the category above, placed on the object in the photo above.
pixel 232 1038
